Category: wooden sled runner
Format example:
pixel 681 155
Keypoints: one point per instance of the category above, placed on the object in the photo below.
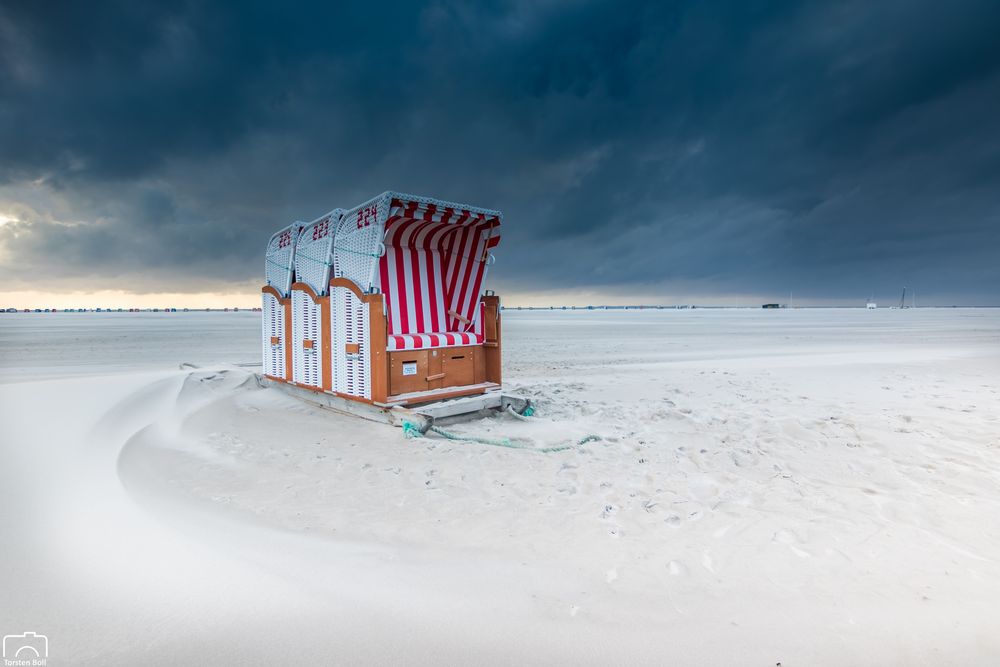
pixel 381 307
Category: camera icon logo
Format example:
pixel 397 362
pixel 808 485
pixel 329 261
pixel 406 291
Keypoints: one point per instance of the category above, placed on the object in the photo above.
pixel 26 646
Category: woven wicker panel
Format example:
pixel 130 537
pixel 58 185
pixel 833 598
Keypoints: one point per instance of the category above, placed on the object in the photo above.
pixel 313 252
pixel 280 257
pixel 359 241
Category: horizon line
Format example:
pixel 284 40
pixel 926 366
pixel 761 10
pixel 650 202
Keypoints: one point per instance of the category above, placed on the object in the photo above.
pixel 560 307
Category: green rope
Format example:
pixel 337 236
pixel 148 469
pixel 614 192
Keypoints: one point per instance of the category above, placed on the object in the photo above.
pixel 356 252
pixel 336 247
pixel 312 259
pixel 280 266
pixel 411 430
pixel 505 442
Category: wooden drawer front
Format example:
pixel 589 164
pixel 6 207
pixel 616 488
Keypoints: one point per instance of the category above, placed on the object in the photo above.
pixel 407 371
pixel 458 366
pixel 435 368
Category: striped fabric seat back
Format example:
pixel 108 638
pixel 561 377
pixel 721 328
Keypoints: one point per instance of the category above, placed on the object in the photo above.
pixel 467 254
pixel 434 264
pixel 413 282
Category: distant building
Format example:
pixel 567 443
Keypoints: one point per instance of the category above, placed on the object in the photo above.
pixel 771 305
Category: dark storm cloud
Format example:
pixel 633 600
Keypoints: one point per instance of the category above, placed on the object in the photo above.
pixel 832 149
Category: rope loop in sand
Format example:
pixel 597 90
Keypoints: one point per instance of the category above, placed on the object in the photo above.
pixel 411 430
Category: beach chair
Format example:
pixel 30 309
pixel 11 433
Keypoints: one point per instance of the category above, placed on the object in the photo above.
pixel 387 305
pixel 310 338
pixel 275 303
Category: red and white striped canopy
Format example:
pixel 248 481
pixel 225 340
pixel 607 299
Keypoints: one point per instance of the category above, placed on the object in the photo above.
pixel 434 265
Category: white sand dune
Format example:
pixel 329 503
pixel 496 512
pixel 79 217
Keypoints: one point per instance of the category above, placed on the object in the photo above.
pixel 802 487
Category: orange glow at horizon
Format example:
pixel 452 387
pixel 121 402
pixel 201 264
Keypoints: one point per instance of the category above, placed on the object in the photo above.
pixel 250 298
pixel 115 299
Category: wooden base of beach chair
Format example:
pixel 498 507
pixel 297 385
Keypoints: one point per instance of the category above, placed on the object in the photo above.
pixel 420 409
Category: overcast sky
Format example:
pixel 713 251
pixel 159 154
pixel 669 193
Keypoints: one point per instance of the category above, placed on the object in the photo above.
pixel 696 151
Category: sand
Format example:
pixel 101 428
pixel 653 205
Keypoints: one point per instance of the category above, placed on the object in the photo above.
pixel 809 487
